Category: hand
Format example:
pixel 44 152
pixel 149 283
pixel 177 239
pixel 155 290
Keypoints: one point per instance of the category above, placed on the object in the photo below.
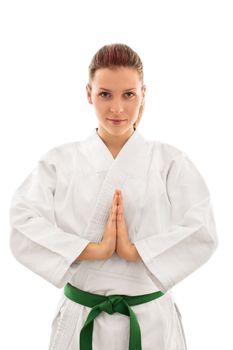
pixel 124 247
pixel 108 242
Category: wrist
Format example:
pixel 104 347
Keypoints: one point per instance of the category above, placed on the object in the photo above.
pixel 103 250
pixel 134 255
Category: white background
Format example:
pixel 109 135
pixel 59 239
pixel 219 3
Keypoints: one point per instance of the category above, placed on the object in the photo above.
pixel 186 49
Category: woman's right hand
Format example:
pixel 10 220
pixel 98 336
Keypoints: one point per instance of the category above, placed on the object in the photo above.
pixel 108 242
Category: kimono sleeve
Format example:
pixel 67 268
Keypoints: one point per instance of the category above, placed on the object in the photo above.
pixel 191 237
pixel 35 240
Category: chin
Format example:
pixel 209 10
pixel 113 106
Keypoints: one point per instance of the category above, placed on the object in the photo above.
pixel 116 129
pixel 121 130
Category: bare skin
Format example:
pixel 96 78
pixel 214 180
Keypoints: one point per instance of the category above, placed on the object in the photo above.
pixel 124 247
pixel 115 94
pixel 115 237
pixel 108 242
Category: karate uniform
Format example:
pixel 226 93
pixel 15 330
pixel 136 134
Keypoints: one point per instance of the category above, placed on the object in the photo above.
pixel 64 204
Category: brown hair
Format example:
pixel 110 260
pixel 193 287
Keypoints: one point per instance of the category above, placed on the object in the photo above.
pixel 114 56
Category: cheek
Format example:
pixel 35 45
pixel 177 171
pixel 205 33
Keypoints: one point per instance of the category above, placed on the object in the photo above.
pixel 134 106
pixel 101 110
pixel 98 105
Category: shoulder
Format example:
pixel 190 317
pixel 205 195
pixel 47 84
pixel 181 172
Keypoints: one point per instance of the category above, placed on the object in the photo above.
pixel 169 159
pixel 64 154
pixel 169 150
pixel 166 153
pixel 174 162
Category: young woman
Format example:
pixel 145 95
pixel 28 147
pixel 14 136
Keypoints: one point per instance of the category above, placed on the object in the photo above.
pixel 116 220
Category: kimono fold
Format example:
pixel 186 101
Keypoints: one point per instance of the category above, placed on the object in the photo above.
pixel 63 205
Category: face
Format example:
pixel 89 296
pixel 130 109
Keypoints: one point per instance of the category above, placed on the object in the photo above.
pixel 116 94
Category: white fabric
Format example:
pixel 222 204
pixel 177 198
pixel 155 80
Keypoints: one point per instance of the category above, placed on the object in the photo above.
pixel 64 204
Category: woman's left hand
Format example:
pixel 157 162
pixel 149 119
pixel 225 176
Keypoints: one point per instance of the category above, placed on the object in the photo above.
pixel 124 247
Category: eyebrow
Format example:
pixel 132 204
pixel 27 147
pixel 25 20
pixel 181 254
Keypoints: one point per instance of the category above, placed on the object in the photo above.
pixel 110 90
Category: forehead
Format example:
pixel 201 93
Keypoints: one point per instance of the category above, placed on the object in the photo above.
pixel 122 78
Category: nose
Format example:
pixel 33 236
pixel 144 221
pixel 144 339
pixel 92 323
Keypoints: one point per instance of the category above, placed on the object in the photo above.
pixel 116 107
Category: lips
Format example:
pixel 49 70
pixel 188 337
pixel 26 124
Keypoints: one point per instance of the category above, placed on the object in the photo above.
pixel 116 120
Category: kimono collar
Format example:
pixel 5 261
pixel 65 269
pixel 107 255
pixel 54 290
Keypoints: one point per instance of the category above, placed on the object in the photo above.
pixel 101 157
pixel 133 161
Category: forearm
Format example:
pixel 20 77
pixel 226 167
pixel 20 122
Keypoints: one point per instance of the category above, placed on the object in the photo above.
pixel 93 251
pixel 134 255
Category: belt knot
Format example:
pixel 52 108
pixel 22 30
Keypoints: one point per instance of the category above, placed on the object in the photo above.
pixel 109 305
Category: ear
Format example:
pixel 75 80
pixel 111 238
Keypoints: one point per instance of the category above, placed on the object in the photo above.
pixel 88 89
pixel 143 93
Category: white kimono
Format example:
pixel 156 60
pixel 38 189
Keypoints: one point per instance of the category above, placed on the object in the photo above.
pixel 64 204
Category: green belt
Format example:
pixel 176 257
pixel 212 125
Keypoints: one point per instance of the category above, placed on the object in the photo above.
pixel 109 303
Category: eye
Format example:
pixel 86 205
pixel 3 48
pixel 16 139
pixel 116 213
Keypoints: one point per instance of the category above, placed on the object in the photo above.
pixel 130 93
pixel 104 92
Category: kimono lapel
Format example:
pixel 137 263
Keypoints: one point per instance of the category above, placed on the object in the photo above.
pixel 133 160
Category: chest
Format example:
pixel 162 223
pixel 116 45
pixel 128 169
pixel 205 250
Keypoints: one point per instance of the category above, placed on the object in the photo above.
pixel 144 195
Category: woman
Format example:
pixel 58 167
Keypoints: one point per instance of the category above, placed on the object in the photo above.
pixel 115 219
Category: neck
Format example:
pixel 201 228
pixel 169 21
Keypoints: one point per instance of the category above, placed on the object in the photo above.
pixel 114 142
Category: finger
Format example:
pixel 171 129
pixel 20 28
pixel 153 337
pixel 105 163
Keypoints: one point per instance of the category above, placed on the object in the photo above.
pixel 115 210
pixel 117 199
pixel 114 204
pixel 119 211
pixel 121 201
pixel 114 200
pixel 113 213
pixel 117 191
pixel 119 214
